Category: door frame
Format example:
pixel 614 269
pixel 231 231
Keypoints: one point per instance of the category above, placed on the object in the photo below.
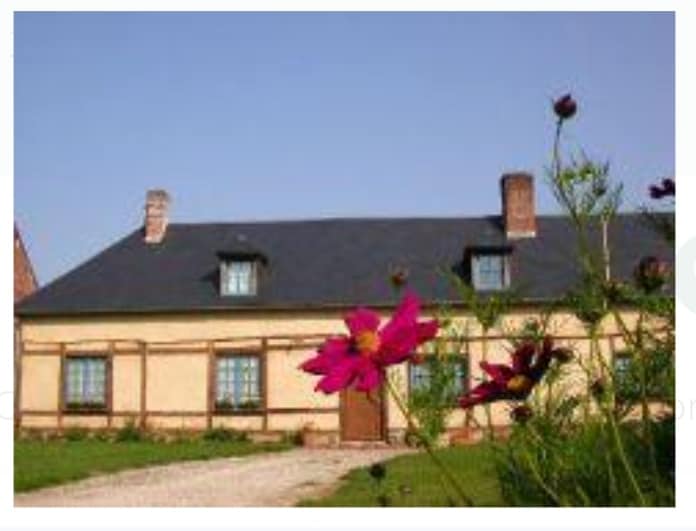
pixel 383 412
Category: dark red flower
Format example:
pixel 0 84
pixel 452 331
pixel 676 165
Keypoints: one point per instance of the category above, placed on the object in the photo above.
pixel 530 361
pixel 651 273
pixel 565 107
pixel 360 358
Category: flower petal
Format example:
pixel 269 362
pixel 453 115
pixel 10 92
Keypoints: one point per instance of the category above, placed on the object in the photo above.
pixel 361 320
pixel 402 335
pixel 369 378
pixel 405 315
pixel 427 330
pixel 341 375
pixel 330 353
pixel 522 357
pixel 482 393
pixel 500 373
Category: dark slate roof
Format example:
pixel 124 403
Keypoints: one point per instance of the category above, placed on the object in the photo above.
pixel 325 263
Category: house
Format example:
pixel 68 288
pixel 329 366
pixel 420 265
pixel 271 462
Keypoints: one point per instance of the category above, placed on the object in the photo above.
pixel 192 326
pixel 25 284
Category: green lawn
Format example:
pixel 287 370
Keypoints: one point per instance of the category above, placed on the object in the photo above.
pixel 39 464
pixel 413 481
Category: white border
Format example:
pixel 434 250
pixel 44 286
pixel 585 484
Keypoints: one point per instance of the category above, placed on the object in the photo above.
pixel 680 517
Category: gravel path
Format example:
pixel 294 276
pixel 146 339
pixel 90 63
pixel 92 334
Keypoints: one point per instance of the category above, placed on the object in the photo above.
pixel 263 480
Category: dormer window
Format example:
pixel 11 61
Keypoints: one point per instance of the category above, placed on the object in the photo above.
pixel 240 267
pixel 490 271
pixel 238 277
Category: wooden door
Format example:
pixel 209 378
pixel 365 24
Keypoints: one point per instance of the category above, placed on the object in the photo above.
pixel 362 415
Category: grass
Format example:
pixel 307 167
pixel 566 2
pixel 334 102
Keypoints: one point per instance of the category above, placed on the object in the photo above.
pixel 43 463
pixel 413 481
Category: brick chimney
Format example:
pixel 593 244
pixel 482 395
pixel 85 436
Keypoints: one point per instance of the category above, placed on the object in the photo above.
pixel 517 194
pixel 156 215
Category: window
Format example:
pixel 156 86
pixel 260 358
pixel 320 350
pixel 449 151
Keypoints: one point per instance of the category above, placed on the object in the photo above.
pixel 238 278
pixel 489 272
pixel 420 375
pixel 238 383
pixel 622 367
pixel 85 382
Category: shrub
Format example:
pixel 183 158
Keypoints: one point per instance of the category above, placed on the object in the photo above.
pixel 292 437
pixel 224 435
pixel 129 433
pixel 75 434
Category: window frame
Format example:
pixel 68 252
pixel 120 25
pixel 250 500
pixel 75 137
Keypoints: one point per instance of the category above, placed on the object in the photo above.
pixel 88 408
pixel 225 271
pixel 261 382
pixel 505 273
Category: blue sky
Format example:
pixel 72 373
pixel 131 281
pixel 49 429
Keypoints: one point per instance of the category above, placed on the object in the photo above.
pixel 245 116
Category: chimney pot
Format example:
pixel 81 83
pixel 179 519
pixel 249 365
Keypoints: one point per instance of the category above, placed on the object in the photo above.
pixel 156 215
pixel 517 194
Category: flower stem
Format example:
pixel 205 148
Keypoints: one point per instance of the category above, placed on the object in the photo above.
pixel 427 443
pixel 487 407
pixel 611 418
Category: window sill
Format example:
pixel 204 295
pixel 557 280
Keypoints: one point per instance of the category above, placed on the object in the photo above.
pixel 86 411
pixel 238 412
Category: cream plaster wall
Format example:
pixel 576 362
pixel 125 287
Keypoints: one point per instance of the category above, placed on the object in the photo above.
pixel 178 381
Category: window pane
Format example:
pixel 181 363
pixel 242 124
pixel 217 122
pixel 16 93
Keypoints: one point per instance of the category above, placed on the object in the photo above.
pixel 239 278
pixel 420 376
pixel 85 381
pixel 488 271
pixel 238 381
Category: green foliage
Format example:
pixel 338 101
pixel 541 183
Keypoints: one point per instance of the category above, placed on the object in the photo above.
pixel 129 433
pixel 224 435
pixel 588 301
pixel 650 373
pixel 487 308
pixel 577 464
pixel 75 434
pixel 581 450
pixel 584 188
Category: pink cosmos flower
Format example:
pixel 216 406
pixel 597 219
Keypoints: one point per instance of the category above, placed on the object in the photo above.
pixel 359 359
pixel 530 361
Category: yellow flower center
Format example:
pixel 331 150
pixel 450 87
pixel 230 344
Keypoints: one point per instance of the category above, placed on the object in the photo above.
pixel 367 342
pixel 519 384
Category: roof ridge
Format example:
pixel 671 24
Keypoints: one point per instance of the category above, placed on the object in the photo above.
pixel 357 219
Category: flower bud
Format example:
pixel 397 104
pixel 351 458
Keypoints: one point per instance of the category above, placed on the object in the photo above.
pixel 668 186
pixel 565 107
pixel 562 355
pixel 655 192
pixel 664 189
pixel 399 277
pixel 615 291
pixel 521 414
pixel 651 273
pixel 598 388
pixel 378 471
